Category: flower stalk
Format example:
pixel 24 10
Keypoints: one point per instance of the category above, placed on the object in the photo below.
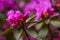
pixel 50 32
pixel 24 29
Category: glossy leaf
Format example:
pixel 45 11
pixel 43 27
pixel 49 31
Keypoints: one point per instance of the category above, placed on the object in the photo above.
pixel 32 24
pixel 18 34
pixel 6 32
pixel 38 26
pixel 43 33
pixel 32 33
pixel 47 21
pixel 39 39
pixel 55 23
pixel 30 18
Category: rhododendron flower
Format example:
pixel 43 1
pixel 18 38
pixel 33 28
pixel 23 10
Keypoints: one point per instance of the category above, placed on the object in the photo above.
pixel 30 6
pixel 59 34
pixel 16 17
pixel 40 6
pixel 7 4
pixel 21 4
pixel 2 37
pixel 55 2
pixel 56 39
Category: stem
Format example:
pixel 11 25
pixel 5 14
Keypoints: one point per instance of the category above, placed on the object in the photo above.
pixel 51 36
pixel 24 29
pixel 26 33
pixel 7 31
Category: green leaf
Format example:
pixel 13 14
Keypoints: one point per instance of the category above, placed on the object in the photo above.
pixel 47 21
pixel 18 34
pixel 6 32
pixel 31 24
pixel 32 33
pixel 43 32
pixel 30 18
pixel 38 25
pixel 39 39
pixel 55 23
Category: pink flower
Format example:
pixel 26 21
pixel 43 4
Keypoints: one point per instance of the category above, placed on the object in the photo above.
pixel 59 34
pixel 14 18
pixel 7 4
pixel 56 39
pixel 21 4
pixel 40 6
pixel 30 6
pixel 2 37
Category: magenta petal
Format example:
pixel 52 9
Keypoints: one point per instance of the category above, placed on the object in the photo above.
pixel 27 14
pixel 1 7
pixel 37 17
pixel 18 14
pixel 31 6
pixel 10 15
pixel 7 4
pixel 59 34
pixel 2 37
pixel 56 39
pixel 11 12
pixel 21 4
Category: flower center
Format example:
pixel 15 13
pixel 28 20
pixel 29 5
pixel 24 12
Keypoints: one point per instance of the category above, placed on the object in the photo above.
pixel 46 14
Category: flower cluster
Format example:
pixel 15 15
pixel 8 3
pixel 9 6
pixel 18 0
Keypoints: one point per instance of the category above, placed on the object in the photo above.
pixel 15 17
pixel 40 6
pixel 7 4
